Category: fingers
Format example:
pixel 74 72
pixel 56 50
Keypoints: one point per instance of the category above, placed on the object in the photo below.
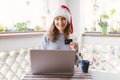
pixel 74 46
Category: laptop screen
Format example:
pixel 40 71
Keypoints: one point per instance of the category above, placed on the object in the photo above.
pixel 52 61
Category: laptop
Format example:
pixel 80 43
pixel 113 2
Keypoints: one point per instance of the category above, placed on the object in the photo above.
pixel 52 61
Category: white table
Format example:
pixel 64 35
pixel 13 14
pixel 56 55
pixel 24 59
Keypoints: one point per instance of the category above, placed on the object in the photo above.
pixel 97 75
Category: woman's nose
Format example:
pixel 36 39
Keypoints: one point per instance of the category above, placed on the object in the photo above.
pixel 60 21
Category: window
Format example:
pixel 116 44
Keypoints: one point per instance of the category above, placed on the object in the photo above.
pixel 93 9
pixel 30 13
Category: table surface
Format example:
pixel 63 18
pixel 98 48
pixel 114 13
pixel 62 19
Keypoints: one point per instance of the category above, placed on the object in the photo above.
pixel 78 75
pixel 100 75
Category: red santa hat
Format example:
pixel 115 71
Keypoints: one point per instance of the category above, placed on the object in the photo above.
pixel 65 12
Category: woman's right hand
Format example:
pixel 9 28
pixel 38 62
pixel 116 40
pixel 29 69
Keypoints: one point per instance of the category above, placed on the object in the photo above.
pixel 74 46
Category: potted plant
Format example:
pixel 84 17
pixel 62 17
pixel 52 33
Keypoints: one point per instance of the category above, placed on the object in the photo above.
pixel 2 28
pixel 37 28
pixel 21 26
pixel 103 23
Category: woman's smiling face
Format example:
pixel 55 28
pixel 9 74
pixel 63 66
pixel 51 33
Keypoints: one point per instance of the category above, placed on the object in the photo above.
pixel 60 23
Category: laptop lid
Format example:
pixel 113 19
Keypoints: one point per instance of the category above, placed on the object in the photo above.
pixel 52 61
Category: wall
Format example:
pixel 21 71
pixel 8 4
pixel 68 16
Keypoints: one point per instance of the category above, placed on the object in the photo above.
pixel 103 51
pixel 15 43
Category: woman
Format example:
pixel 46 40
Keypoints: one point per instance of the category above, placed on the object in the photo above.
pixel 60 31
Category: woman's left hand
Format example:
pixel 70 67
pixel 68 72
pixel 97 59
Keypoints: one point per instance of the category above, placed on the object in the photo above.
pixel 74 46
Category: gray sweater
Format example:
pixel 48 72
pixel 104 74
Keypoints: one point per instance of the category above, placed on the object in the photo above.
pixel 59 44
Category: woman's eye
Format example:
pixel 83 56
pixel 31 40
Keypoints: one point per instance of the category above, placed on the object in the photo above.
pixel 57 19
pixel 63 18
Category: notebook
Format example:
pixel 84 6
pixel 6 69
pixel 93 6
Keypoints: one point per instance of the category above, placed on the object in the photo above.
pixel 52 61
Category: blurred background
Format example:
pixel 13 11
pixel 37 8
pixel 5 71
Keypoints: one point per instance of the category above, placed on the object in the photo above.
pixel 23 23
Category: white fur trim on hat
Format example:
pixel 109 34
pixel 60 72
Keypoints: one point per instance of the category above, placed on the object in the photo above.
pixel 61 12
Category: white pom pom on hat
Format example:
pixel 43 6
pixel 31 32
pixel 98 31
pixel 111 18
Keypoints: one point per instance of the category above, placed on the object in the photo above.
pixel 65 12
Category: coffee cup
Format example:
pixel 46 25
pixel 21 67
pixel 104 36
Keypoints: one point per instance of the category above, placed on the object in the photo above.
pixel 85 65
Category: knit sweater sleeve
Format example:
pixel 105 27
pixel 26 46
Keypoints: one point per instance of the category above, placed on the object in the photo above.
pixel 75 39
pixel 44 41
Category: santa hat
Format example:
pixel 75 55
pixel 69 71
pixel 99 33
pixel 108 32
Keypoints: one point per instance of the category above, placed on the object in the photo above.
pixel 65 12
